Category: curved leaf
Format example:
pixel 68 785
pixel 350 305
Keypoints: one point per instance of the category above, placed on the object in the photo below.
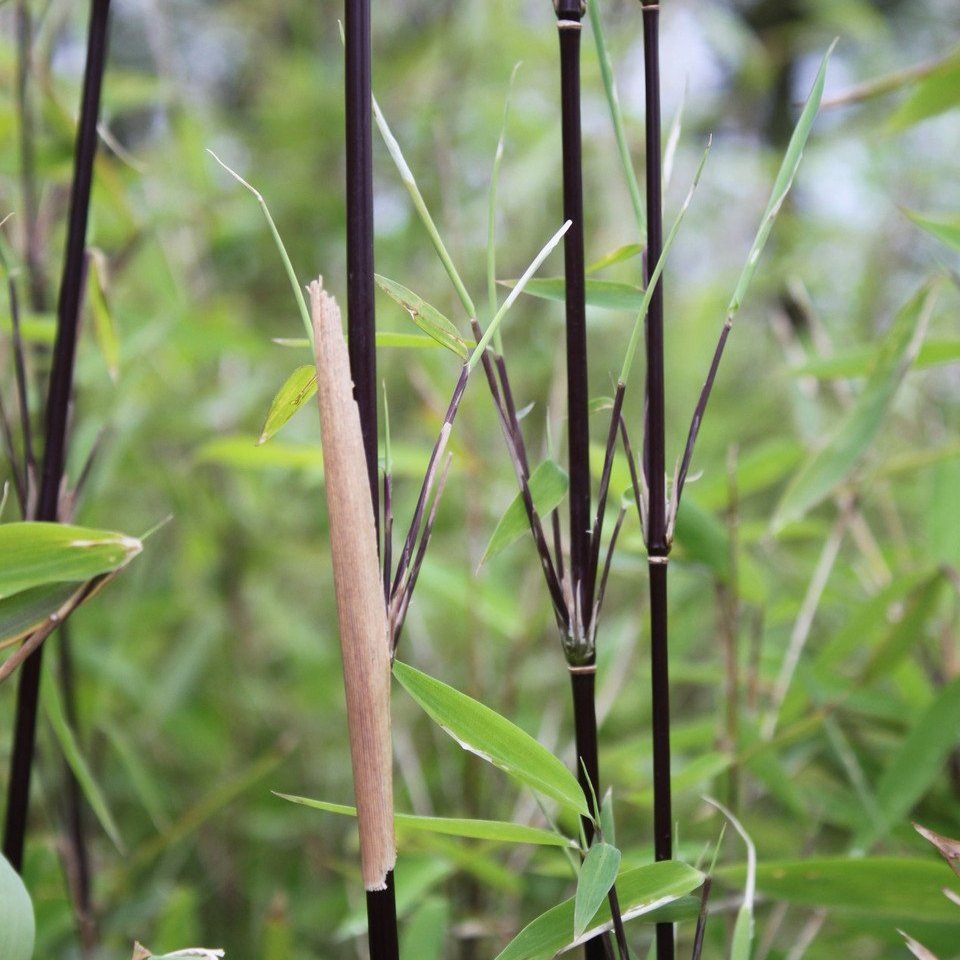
pixel 606 294
pixel 22 613
pixel 17 925
pixel 598 872
pixel 640 892
pixel 426 317
pixel 34 554
pixel 297 389
pixel 548 486
pixel 484 732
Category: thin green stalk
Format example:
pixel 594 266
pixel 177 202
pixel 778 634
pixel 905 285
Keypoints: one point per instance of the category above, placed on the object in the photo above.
pixel 616 115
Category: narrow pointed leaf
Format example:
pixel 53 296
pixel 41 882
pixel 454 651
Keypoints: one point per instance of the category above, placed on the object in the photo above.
pixel 830 466
pixel 297 389
pixel 781 186
pixel 484 732
pixel 607 821
pixel 641 892
pixel 548 486
pixel 495 830
pixel 936 93
pixel 949 848
pixel 945 229
pixel 53 708
pixel 917 763
pixel 859 361
pixel 626 252
pixel 426 317
pixel 37 553
pixel 597 875
pixel 17 924
pixel 104 327
pixel 605 294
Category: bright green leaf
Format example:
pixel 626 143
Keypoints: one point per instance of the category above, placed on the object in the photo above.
pixel 298 388
pixel 640 892
pixel 936 93
pixel 495 830
pixel 37 553
pixel 830 466
pixel 17 925
pixel 426 317
pixel 484 732
pixel 598 872
pixel 548 486
pixel 606 294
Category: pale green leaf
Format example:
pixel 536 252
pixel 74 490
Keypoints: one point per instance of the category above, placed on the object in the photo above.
pixel 104 327
pixel 484 732
pixel 936 93
pixel 781 186
pixel 17 924
pixel 496 830
pixel 606 294
pixel 859 361
pixel 32 554
pixel 598 872
pixel 626 252
pixel 607 821
pixel 53 708
pixel 548 486
pixel 916 764
pixel 426 317
pixel 298 388
pixel 945 229
pixel 641 892
pixel 873 887
pixel 830 466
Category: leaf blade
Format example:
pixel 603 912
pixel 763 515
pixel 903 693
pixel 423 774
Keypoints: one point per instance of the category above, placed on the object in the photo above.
pixel 297 389
pixel 598 873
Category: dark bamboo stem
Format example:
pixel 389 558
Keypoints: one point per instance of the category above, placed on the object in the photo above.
pixel 569 13
pixel 658 547
pixel 361 326
pixel 57 411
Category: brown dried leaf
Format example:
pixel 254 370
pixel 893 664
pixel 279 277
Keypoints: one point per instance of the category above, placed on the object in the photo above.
pixel 949 849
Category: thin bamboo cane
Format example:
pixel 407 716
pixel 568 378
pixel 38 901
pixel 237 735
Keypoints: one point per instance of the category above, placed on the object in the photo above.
pixel 658 547
pixel 57 411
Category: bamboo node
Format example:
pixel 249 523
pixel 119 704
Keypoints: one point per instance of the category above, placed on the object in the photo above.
pixel 568 24
pixel 585 668
pixel 661 560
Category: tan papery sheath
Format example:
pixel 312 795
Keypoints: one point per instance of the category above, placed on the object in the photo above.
pixel 360 605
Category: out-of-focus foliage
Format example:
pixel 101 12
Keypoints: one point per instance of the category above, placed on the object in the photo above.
pixel 209 672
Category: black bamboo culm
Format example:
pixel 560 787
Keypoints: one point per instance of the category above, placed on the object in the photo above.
pixel 57 412
pixel 361 327
pixel 658 548
pixel 582 577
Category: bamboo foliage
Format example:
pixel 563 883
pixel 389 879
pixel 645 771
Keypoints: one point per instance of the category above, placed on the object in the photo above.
pixel 359 593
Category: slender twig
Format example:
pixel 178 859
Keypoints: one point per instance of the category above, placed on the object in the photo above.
pixel 702 919
pixel 608 456
pixel 58 405
pixel 658 544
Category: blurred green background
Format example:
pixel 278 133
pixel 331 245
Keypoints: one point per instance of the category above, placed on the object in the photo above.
pixel 209 672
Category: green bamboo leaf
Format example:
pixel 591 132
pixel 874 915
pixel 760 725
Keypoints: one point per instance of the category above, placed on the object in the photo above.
pixel 40 553
pixel 945 229
pixel 243 453
pixel 605 294
pixel 915 766
pixel 104 327
pixel 641 892
pixel 626 252
pixel 17 924
pixel 859 361
pixel 53 708
pixel 873 887
pixel 598 872
pixel 384 338
pixel 496 830
pixel 23 612
pixel 936 93
pixel 297 389
pixel 484 732
pixel 430 320
pixel 830 466
pixel 548 486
